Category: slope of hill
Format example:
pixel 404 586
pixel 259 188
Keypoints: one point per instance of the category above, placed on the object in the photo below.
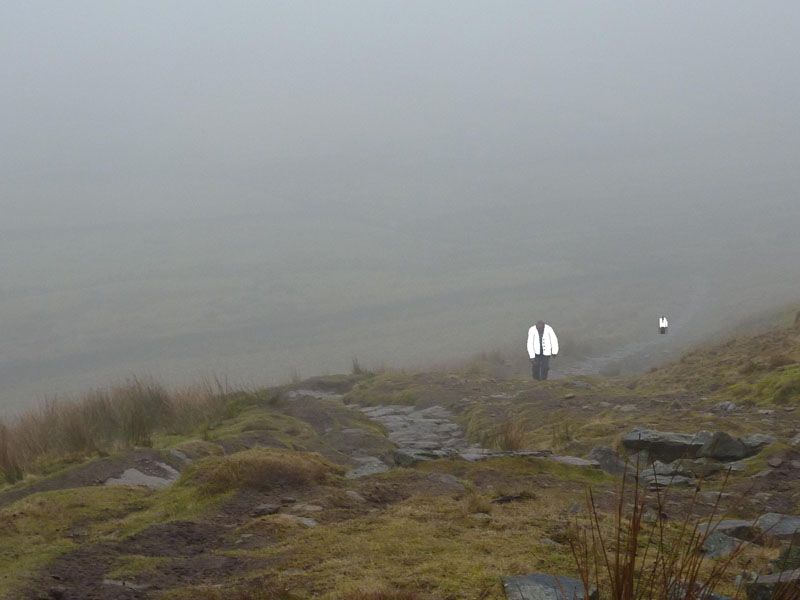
pixel 392 485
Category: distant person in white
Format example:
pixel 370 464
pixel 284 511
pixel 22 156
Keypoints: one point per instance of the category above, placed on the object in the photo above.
pixel 662 324
pixel 542 345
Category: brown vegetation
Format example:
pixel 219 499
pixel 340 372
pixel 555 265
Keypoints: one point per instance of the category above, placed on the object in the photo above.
pixel 264 469
pixel 103 421
pixel 637 554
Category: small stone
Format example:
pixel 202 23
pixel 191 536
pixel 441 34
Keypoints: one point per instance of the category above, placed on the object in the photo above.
pixel 574 508
pixel 569 396
pixel 603 404
pixel 795 464
pixel 756 441
pixel 367 465
pixel 788 408
pixel 719 545
pixel 180 455
pixel 353 495
pixel 795 440
pixel 711 498
pixel 481 516
pixel 775 462
pixel 607 459
pixel 265 509
pixel 766 411
pixel 761 474
pixel 136 477
pixel 306 508
pixel 670 482
pixel 627 408
pixel 650 516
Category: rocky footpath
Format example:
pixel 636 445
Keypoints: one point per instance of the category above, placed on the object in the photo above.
pixel 432 433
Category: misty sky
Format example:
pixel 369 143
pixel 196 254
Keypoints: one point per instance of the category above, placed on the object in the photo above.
pixel 114 111
pixel 494 142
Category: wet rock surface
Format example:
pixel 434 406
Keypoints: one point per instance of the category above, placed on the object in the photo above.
pixel 541 586
pixel 163 468
pixel 421 434
pixel 765 586
pixel 667 446
pixel 166 477
pixel 431 433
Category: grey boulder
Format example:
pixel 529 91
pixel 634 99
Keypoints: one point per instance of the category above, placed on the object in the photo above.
pixel 665 446
pixel 765 586
pixel 775 526
pixel 608 460
pixel 755 442
pixel 724 447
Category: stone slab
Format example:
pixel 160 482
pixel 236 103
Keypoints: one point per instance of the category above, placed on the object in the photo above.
pixel 541 586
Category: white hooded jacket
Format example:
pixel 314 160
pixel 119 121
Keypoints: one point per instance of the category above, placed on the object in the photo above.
pixel 548 345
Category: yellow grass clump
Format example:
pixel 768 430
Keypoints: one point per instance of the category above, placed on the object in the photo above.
pixel 264 469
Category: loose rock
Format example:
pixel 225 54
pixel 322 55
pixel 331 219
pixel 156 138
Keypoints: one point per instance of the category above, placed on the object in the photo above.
pixel 540 586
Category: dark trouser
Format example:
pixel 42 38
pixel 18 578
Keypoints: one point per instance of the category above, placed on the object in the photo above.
pixel 663 329
pixel 540 366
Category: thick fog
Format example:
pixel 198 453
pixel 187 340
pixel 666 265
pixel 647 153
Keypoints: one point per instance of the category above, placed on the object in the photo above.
pixel 259 190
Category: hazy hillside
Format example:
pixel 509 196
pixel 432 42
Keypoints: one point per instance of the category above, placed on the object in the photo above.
pixel 386 486
pixel 255 300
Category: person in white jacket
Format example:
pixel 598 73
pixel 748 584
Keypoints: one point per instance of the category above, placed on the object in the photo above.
pixel 663 324
pixel 542 345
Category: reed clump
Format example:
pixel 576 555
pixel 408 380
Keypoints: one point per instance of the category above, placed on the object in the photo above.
pixel 637 554
pixel 102 421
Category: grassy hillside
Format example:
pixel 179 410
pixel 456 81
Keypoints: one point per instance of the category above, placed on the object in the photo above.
pixel 266 505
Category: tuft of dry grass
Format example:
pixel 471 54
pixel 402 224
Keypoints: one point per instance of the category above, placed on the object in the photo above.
pixel 254 590
pixel 9 463
pixel 630 557
pixel 265 468
pixel 383 594
pixel 476 503
pixel 102 421
pixel 508 435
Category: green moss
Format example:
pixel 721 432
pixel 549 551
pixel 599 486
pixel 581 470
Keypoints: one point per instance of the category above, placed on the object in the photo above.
pixel 262 469
pixel 391 388
pixel 38 528
pixel 781 386
pixel 426 545
pixel 127 567
pixel 741 389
